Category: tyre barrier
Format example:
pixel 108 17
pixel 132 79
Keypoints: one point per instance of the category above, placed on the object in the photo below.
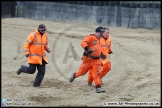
pixel 149 5
pixel 127 4
pixel 111 3
pixel 114 3
pixel 122 4
pixel 106 3
pixel 143 5
pixel 101 3
pixel 156 5
pixel 95 3
pixel 133 5
pixel 80 2
pixel 117 3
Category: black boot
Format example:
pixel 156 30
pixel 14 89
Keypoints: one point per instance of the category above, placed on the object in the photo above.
pixel 23 69
pixel 72 78
pixel 20 70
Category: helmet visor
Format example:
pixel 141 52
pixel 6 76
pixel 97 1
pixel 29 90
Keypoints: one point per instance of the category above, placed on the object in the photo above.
pixel 102 31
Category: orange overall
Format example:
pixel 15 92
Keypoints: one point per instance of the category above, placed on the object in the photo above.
pixel 91 61
pixel 105 64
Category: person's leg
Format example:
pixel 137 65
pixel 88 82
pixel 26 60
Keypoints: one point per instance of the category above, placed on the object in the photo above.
pixel 25 69
pixel 40 74
pixel 95 74
pixel 106 68
pixel 84 67
pixel 90 78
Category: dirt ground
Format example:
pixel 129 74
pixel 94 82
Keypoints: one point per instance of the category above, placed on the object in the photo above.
pixel 134 79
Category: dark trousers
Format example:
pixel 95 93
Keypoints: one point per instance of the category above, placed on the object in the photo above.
pixel 32 68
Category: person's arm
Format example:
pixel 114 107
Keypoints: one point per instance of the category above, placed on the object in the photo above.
pixel 85 41
pixel 46 47
pixel 27 43
pixel 84 44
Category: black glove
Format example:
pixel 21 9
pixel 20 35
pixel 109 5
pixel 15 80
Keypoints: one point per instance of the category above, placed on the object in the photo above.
pixel 111 52
pixel 27 55
pixel 48 50
pixel 89 51
pixel 102 56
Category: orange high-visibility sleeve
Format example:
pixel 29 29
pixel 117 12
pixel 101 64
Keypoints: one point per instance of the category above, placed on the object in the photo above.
pixel 85 41
pixel 93 43
pixel 29 40
pixel 106 48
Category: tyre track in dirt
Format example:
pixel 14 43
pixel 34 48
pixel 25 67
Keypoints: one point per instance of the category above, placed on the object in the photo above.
pixel 138 58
